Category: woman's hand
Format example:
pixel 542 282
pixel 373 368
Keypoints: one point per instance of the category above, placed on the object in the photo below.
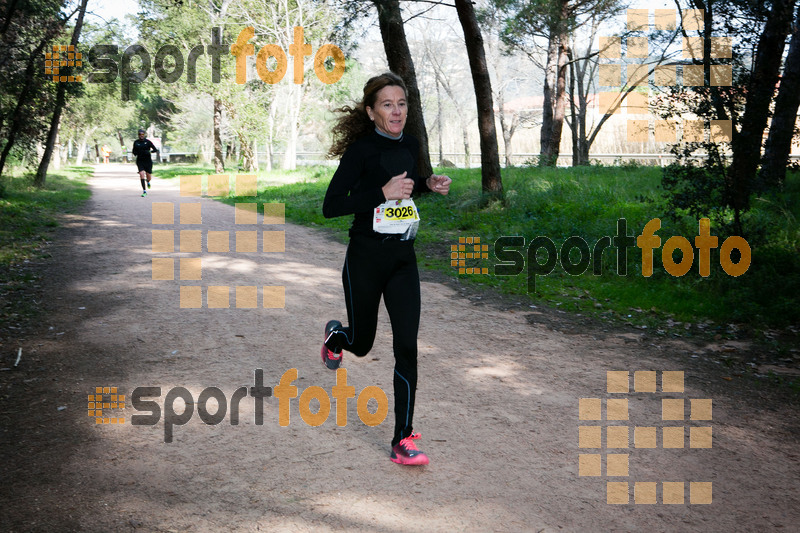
pixel 440 184
pixel 398 188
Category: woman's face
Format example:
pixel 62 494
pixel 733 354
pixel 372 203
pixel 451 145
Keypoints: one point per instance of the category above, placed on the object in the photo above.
pixel 390 111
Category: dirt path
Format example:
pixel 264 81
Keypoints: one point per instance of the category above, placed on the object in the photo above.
pixel 497 404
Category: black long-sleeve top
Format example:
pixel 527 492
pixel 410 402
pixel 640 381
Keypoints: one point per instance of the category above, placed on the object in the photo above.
pixel 364 169
pixel 142 148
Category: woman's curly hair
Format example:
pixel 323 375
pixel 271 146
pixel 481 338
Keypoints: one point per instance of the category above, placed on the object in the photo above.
pixel 355 122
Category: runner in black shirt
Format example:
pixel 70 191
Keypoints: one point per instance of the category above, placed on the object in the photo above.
pixel 142 148
pixel 375 180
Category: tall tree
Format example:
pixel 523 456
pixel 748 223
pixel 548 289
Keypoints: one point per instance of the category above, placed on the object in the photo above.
pixel 286 24
pixel 21 111
pixel 491 181
pixel 26 30
pixel 398 55
pixel 195 26
pixel 781 129
pixel 759 94
pixel 584 64
pixel 553 20
pixel 439 58
pixel 506 76
pixel 218 14
pixel 555 87
pixel 98 110
pixel 41 172
pixel 715 187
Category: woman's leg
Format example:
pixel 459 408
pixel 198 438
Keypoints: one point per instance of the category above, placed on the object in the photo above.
pixel 363 279
pixel 402 299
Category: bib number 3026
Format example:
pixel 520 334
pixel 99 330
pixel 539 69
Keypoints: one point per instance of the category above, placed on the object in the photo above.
pixel 396 217
pixel 399 213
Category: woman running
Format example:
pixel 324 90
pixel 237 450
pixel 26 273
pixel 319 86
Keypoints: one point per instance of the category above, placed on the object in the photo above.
pixel 375 181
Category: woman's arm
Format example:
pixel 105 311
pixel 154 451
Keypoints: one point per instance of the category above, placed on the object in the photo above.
pixel 438 183
pixel 340 199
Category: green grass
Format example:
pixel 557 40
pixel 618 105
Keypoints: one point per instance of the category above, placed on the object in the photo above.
pixel 28 214
pixel 302 197
pixel 28 217
pixel 172 171
pixel 587 202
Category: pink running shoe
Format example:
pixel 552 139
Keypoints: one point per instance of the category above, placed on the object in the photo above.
pixel 405 452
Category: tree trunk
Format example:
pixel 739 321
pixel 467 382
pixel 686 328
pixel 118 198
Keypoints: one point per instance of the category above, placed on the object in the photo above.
pixel 747 145
pixel 400 62
pixel 254 155
pixel 546 133
pixel 254 149
pixel 41 172
pixel 560 100
pixel 273 110
pixel 506 129
pixel 554 90
pixel 57 153
pixel 781 129
pixel 293 112
pixel 501 116
pixel 249 163
pixel 8 15
pixel 122 147
pixel 81 151
pixel 219 163
pixel 708 31
pixel 506 137
pixel 583 103
pixel 551 146
pixel 573 111
pixel 442 82
pixel 465 140
pixel 583 143
pixel 439 120
pixel 18 116
pixel 491 180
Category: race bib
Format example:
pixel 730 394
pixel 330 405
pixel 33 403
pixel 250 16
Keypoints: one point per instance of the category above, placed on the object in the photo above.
pixel 396 217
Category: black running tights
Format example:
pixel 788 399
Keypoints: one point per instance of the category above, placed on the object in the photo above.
pixel 388 268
